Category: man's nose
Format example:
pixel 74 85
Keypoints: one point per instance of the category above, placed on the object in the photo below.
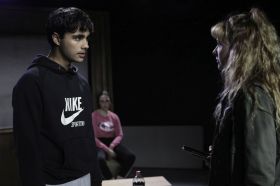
pixel 85 44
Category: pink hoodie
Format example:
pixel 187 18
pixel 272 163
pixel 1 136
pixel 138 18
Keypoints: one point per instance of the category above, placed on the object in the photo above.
pixel 107 127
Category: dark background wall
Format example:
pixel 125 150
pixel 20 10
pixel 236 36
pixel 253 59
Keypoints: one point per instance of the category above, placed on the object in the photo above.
pixel 164 72
pixel 163 67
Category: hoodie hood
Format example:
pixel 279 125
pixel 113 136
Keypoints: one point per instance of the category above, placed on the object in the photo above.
pixel 44 61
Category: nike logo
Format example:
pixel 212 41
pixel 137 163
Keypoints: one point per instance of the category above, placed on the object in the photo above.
pixel 68 120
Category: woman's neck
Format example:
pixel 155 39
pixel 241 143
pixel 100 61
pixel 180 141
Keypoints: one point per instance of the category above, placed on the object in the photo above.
pixel 103 112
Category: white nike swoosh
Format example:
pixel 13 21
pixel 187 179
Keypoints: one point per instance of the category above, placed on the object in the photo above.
pixel 68 120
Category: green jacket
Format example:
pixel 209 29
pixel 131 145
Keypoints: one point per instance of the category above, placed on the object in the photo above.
pixel 246 148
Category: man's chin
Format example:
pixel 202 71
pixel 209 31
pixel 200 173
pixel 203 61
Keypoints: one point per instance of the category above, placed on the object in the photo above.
pixel 78 61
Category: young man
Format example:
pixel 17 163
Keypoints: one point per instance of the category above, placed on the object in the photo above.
pixel 52 109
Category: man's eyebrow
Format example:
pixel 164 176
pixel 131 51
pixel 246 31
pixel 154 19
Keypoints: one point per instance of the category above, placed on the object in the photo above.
pixel 79 35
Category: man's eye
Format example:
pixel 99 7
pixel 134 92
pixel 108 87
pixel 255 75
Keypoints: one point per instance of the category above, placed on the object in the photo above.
pixel 78 38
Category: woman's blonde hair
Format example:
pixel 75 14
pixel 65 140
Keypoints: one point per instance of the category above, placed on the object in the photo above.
pixel 254 54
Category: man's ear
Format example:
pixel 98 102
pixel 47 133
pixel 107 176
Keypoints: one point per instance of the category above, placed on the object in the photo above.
pixel 56 39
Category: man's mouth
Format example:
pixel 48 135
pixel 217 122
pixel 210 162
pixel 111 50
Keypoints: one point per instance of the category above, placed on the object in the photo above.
pixel 82 55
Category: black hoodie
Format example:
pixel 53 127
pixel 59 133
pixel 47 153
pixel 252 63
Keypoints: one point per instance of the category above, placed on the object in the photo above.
pixel 52 125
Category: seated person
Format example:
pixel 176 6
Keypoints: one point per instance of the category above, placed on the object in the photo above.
pixel 108 135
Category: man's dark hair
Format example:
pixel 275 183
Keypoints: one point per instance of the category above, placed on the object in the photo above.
pixel 69 19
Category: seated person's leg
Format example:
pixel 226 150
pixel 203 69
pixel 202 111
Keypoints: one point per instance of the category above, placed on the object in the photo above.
pixel 125 158
pixel 101 156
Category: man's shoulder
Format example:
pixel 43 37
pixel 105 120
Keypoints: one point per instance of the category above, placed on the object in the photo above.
pixel 29 75
pixel 27 82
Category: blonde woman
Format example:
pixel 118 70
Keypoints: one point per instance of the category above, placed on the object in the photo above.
pixel 246 146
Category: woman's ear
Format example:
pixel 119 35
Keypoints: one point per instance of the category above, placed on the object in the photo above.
pixel 56 38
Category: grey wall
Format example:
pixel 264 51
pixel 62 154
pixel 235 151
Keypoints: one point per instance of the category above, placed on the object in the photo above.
pixel 160 146
pixel 16 54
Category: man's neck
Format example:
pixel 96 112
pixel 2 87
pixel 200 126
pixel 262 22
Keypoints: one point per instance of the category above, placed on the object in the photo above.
pixel 57 58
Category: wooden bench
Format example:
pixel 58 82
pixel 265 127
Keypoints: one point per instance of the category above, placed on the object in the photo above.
pixel 114 167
